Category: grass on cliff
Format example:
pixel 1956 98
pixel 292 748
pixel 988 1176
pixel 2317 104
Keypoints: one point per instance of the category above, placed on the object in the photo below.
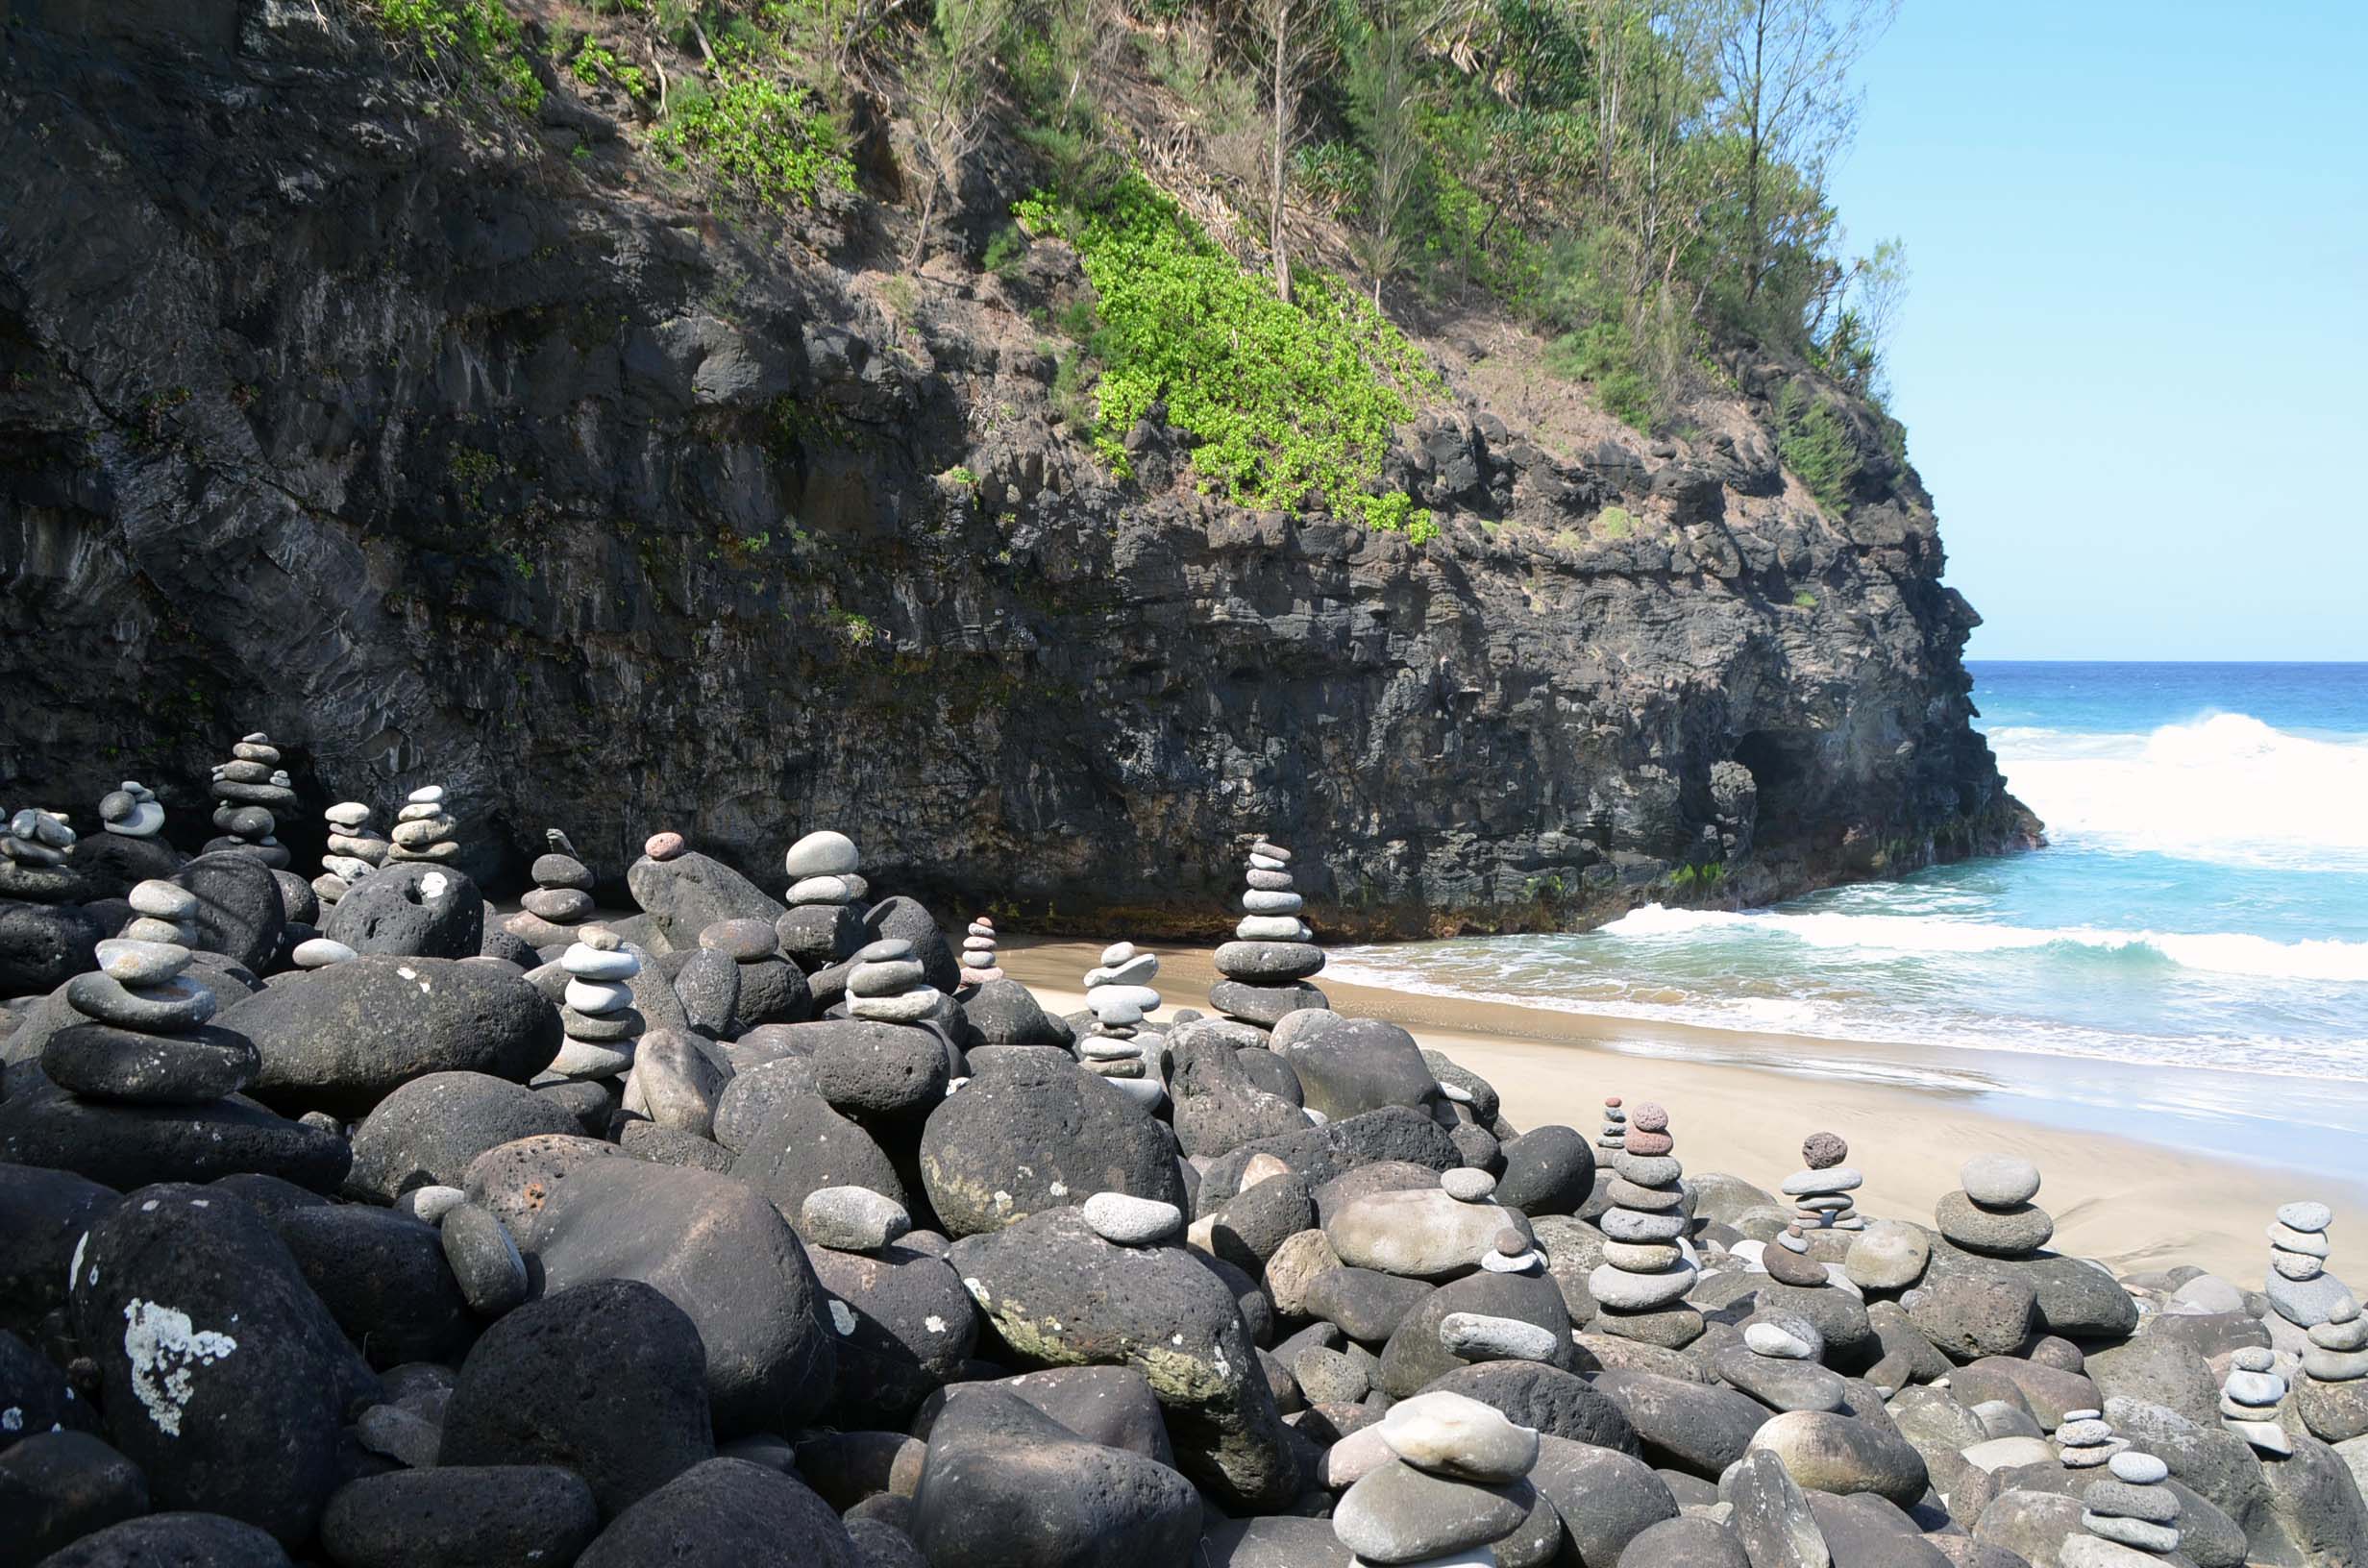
pixel 458 38
pixel 1290 402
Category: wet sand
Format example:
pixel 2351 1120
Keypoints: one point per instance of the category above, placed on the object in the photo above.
pixel 1742 1103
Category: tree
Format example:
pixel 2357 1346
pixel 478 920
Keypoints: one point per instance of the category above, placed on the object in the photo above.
pixel 950 101
pixel 1383 81
pixel 1784 68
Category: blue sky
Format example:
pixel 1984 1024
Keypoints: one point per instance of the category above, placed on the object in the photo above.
pixel 2133 356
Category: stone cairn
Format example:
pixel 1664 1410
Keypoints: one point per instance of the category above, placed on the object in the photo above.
pixel 1993 1213
pixel 1119 993
pixel 1273 952
pixel 1788 1262
pixel 2084 1440
pixel 2132 1508
pixel 161 912
pixel 820 927
pixel 599 1016
pixel 887 984
pixel 2333 1396
pixel 1615 1135
pixel 1821 1192
pixel 559 900
pixel 2301 1293
pixel 978 966
pixel 1640 1285
pixel 132 811
pixel 248 788
pixel 1454 1482
pixel 33 855
pixel 2250 1398
pixel 145 1038
pixel 355 850
pixel 423 828
pixel 1778 1363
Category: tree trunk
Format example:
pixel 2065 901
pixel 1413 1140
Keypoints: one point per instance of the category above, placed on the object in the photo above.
pixel 1275 241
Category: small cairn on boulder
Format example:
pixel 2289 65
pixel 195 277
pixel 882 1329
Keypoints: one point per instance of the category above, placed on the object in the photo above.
pixel 599 1017
pixel 1455 1483
pixel 1993 1212
pixel 353 850
pixel 1118 994
pixel 146 1040
pixel 132 811
pixel 1273 952
pixel 2333 1396
pixel 978 966
pixel 250 788
pixel 559 900
pixel 1615 1135
pixel 423 828
pixel 33 853
pixel 1820 1193
pixel 161 912
pixel 2301 1293
pixel 1640 1287
pixel 2131 1508
pixel 1787 1260
pixel 821 925
pixel 887 984
pixel 1778 1363
pixel 2249 1401
pixel 2084 1440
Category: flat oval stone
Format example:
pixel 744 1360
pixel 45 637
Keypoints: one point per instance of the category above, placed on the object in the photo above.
pixel 2306 1216
pixel 819 890
pixel 163 900
pixel 1627 1225
pixel 1999 1181
pixel 1651 1200
pixel 142 962
pixel 906 1007
pixel 427 795
pixel 319 952
pixel 348 814
pixel 564 905
pixel 1454 1434
pixel 1821 1183
pixel 600 940
pixel 1117 953
pixel 852 1218
pixel 893 978
pixel 886 950
pixel 1627 1292
pixel 1787 1335
pixel 1479 1337
pixel 1400 1514
pixel 596 996
pixel 1131 1221
pixel 171 1008
pixel 588 962
pixel 823 853
pixel 1468 1186
pixel 100 1062
pixel 2139 1469
pixel 2285 1238
pixel 664 846
pixel 1645 1116
pixel 1257 901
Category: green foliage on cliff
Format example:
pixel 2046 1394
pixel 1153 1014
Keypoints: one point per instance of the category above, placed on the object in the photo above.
pixel 754 136
pixel 460 36
pixel 1290 402
pixel 1816 444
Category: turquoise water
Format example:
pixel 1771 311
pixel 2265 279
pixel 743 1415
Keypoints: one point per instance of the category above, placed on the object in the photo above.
pixel 2200 917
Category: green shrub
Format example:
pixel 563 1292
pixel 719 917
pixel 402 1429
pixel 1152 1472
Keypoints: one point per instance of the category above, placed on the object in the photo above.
pixel 1816 444
pixel 1615 523
pixel 1004 250
pixel 751 134
pixel 478 34
pixel 1805 599
pixel 1290 402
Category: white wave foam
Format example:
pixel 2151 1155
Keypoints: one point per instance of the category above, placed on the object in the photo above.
pixel 2226 788
pixel 2217 952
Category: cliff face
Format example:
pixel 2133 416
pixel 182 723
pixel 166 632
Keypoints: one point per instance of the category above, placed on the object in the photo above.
pixel 442 451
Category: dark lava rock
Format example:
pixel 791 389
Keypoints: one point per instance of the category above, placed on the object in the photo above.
pixel 342 1039
pixel 1006 1483
pixel 223 1376
pixel 174 1540
pixel 133 1145
pixel 806 1146
pixel 908 1329
pixel 1367 1304
pixel 709 985
pixel 715 1248
pixel 1217 1105
pixel 1549 1170
pixel 1606 1498
pixel 692 892
pixel 194 1068
pixel 816 935
pixel 383 1278
pixel 461 1516
pixel 239 914
pixel 1060 1295
pixel 1108 1405
pixel 905 920
pixel 42 1215
pixel 673 1146
pixel 410 909
pixel 426 1133
pixel 1361 1064
pixel 606 1379
pixel 756 1093
pixel 1006 1013
pixel 35 1393
pixel 58 1486
pixel 1414 1357
pixel 876 1070
pixel 727 1513
pixel 1547 1398
pixel 1692 1426
pixel 995 1152
pixel 44 945
pixel 1322 1153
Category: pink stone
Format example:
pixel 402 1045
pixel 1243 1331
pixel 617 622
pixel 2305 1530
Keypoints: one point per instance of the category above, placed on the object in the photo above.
pixel 664 846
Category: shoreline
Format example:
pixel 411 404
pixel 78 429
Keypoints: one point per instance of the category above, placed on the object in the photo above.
pixel 1741 1103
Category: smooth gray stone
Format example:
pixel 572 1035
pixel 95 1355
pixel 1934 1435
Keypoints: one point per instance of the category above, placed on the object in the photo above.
pixel 2000 1181
pixel 172 1008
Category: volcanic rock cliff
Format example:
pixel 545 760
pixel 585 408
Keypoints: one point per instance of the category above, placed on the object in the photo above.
pixel 450 451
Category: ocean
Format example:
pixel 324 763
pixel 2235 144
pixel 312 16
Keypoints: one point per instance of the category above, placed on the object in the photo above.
pixel 2187 962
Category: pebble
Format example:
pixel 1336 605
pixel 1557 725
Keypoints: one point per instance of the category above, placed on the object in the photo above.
pixel 820 890
pixel 431 1204
pixel 1131 1221
pixel 2306 1216
pixel 163 900
pixel 1785 1335
pixel 1477 1336
pixel 852 1218
pixel 142 962
pixel 1822 1151
pixel 1999 1181
pixel 427 795
pixel 348 814
pixel 2139 1469
pixel 1454 1434
pixel 1468 1186
pixel 484 1259
pixel 319 952
pixel 596 996
pixel 823 853
pixel 588 962
pixel 663 845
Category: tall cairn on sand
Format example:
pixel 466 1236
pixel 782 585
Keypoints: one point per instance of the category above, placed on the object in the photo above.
pixel 602 1023
pixel 1820 1195
pixel 1119 993
pixel 1615 1135
pixel 248 790
pixel 424 829
pixel 2301 1293
pixel 559 900
pixel 978 963
pixel 1640 1287
pixel 1273 952
pixel 821 924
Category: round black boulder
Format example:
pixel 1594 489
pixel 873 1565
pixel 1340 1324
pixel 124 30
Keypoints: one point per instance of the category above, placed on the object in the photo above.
pixel 727 1513
pixel 461 1516
pixel 410 909
pixel 174 1540
pixel 1030 1135
pixel 427 1132
pixel 383 1277
pixel 58 1486
pixel 239 914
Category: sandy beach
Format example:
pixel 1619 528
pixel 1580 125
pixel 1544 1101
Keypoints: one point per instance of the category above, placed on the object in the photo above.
pixel 1741 1105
